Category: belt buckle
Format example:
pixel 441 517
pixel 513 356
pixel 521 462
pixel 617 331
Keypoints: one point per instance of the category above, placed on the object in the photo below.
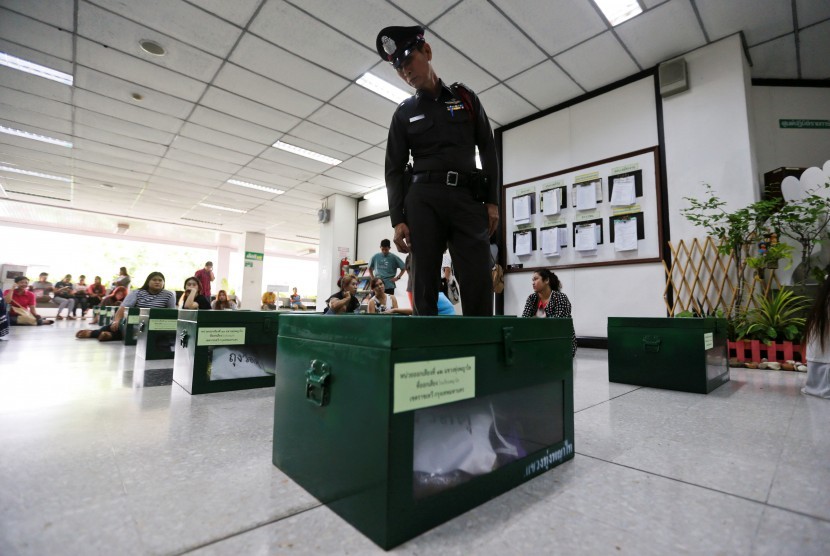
pixel 452 179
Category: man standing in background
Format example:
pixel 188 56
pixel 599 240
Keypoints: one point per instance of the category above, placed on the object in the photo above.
pixel 384 265
pixel 205 277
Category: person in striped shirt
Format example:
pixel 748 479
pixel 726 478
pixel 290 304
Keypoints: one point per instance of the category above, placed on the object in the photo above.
pixel 151 295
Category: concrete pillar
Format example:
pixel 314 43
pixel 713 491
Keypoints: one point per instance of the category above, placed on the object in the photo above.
pixel 252 271
pixel 337 241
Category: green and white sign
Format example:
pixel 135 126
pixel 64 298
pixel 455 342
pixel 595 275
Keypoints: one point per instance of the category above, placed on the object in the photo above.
pixel 157 325
pixel 708 340
pixel 428 383
pixel 132 319
pixel 804 124
pixel 221 336
pixel 253 256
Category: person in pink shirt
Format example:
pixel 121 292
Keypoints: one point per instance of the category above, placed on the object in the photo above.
pixel 21 298
pixel 205 277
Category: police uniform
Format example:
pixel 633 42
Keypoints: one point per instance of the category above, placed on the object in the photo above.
pixel 443 200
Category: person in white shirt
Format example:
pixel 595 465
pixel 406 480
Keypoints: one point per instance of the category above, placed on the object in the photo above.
pixel 817 335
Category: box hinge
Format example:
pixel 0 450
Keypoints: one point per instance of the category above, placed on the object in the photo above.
pixel 651 344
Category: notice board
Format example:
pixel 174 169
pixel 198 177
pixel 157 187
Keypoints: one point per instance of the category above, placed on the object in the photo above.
pixel 602 213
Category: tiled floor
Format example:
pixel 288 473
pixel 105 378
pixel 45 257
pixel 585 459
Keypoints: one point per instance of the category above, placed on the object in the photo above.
pixel 91 465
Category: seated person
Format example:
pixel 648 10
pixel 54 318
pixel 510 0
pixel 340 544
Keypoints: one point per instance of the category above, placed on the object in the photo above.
pixel 81 296
pixel 65 297
pixel 269 301
pixel 21 302
pixel 151 295
pixel 294 301
pixel 96 292
pixel 43 288
pixel 383 302
pixel 222 303
pixel 192 297
pixel 344 301
pixel 547 301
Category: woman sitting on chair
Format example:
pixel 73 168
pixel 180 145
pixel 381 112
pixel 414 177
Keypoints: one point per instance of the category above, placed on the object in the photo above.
pixel 192 297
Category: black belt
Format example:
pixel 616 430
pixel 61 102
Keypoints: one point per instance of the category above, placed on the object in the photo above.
pixel 451 178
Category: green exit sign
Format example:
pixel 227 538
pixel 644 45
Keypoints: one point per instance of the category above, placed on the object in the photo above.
pixel 804 124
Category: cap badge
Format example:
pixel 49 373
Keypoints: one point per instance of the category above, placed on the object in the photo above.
pixel 389 45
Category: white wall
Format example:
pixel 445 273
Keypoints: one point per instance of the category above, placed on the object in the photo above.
pixel 621 121
pixel 707 134
pixel 778 147
pixel 337 239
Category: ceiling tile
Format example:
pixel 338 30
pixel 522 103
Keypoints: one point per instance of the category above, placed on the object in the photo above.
pixel 364 167
pixel 59 13
pixel 355 178
pixel 505 106
pixel 775 59
pixel 284 25
pixel 234 192
pixel 375 154
pixel 36 56
pixel 810 11
pixel 205 149
pixel 277 169
pixel 138 71
pixel 205 161
pixel 295 160
pixel 284 67
pixel 122 127
pixel 39 123
pixel 37 86
pixel 121 34
pixel 322 137
pixel 359 100
pixel 255 87
pixel 662 33
pixel 555 25
pixel 223 140
pixel 94 102
pixel 11 99
pixel 83 155
pixel 108 138
pixel 218 121
pixel 597 62
pixel 545 85
pixel 178 19
pixel 34 34
pixel 122 90
pixel 339 185
pixel 267 179
pixel 113 151
pixel 320 190
pixel 477 29
pixel 425 10
pixel 249 110
pixel 348 124
pixel 760 20
pixel 209 177
pixel 238 12
pixel 815 44
pixel 361 19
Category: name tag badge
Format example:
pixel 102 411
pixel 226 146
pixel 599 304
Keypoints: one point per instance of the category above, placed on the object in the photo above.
pixel 416 118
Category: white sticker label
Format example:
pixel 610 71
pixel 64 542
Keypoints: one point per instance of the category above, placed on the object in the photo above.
pixel 428 383
pixel 708 340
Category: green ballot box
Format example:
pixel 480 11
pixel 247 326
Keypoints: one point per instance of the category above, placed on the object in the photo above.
pixel 218 351
pixel 129 326
pixel 105 318
pixel 687 354
pixel 401 423
pixel 155 347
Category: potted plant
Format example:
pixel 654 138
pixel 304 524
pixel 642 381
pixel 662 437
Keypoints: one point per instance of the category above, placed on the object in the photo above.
pixel 805 221
pixel 769 257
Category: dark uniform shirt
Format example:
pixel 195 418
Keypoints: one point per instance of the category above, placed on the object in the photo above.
pixel 441 138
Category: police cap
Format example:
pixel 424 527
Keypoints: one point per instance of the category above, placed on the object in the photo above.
pixel 395 44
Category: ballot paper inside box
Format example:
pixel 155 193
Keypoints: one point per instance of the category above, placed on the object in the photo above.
pixel 219 351
pixel 404 424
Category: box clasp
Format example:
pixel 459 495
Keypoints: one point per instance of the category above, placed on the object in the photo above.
pixel 507 336
pixel 651 344
pixel 317 382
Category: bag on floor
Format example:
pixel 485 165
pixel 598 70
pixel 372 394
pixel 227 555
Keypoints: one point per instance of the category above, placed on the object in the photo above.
pixel 24 317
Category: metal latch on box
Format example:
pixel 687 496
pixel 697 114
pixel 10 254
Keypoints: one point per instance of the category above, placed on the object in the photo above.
pixel 183 338
pixel 317 382
pixel 651 344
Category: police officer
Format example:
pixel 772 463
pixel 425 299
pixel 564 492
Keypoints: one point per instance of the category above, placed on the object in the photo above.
pixel 443 200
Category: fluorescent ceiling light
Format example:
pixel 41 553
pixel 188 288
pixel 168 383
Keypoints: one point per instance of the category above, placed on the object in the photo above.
pixel 257 187
pixel 617 11
pixel 35 69
pixel 35 174
pixel 376 194
pixel 219 207
pixel 382 88
pixel 35 136
pixel 306 153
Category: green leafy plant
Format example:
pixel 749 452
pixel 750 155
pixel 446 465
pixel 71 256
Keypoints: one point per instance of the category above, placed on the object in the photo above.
pixel 806 221
pixel 777 317
pixel 775 252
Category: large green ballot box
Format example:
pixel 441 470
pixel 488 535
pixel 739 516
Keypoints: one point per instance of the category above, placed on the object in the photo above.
pixel 401 423
pixel 218 351
pixel 686 354
pixel 155 346
pixel 106 314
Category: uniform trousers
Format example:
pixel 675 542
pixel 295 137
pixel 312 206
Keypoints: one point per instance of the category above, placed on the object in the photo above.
pixel 441 216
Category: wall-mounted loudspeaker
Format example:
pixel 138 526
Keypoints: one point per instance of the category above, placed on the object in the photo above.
pixel 672 77
pixel 323 215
